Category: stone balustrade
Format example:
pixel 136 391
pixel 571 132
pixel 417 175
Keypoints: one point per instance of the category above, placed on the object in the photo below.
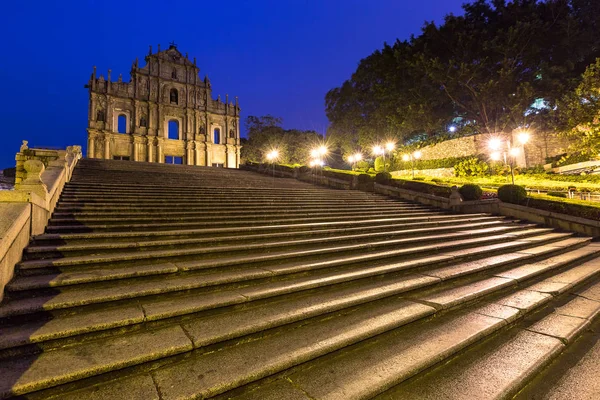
pixel 24 211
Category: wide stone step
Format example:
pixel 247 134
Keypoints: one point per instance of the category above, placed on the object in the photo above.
pixel 235 223
pixel 509 361
pixel 573 375
pixel 284 249
pixel 114 272
pixel 91 220
pixel 278 351
pixel 394 357
pixel 174 191
pixel 338 226
pixel 228 323
pixel 225 197
pixel 66 250
pixel 164 307
pixel 25 375
pixel 230 211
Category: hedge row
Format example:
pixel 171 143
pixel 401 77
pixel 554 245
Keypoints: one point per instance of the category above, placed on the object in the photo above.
pixel 423 187
pixel 449 162
pixel 561 206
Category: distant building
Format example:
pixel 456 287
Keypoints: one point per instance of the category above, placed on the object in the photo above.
pixel 165 113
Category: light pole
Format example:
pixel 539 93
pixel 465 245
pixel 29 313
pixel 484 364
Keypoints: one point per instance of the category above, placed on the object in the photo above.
pixel 272 156
pixel 412 157
pixel 389 146
pixel 496 145
pixel 353 159
pixel 317 156
pixel 523 138
pixel 416 155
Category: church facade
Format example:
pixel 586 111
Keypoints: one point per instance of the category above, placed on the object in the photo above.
pixel 165 113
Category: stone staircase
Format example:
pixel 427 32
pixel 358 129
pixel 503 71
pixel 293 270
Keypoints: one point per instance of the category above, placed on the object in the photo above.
pixel 169 282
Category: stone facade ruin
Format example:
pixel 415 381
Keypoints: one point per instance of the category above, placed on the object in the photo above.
pixel 165 113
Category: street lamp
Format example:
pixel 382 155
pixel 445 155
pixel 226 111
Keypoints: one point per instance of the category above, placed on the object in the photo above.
pixel 496 146
pixel 353 159
pixel 412 157
pixel 523 138
pixel 272 156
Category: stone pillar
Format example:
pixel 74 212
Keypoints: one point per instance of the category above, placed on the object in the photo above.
pixel 208 154
pixel 107 146
pixel 135 149
pixel 150 149
pixel 91 145
pixel 159 150
pixel 200 153
pixel 190 153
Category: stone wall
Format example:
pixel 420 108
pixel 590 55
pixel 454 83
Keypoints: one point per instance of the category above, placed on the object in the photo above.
pixel 540 146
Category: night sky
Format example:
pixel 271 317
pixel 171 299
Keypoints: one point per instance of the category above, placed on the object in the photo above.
pixel 279 57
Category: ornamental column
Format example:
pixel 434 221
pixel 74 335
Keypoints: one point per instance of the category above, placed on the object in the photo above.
pixel 107 146
pixel 190 153
pixel 159 150
pixel 200 153
pixel 91 145
pixel 150 149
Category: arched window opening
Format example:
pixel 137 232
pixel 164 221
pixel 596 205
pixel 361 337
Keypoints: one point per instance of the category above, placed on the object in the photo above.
pixel 100 115
pixel 217 136
pixel 122 123
pixel 174 96
pixel 232 134
pixel 173 130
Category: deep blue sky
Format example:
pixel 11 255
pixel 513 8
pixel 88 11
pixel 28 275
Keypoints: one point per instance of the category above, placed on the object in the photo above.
pixel 280 57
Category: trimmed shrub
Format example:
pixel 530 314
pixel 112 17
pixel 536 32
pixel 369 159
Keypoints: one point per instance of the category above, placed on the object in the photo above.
pixel 418 178
pixel 514 194
pixel 383 177
pixel 470 192
pixel 380 163
pixel 557 194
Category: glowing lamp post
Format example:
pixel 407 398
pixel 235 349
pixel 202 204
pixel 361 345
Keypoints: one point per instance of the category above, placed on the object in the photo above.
pixel 501 149
pixel 523 138
pixel 272 156
pixel 412 157
pixel 317 155
pixel 353 159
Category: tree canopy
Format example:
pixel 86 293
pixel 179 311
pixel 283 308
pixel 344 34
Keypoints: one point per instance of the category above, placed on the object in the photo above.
pixel 501 66
pixel 265 134
pixel 580 116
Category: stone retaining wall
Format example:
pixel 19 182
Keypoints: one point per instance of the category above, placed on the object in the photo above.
pixel 540 146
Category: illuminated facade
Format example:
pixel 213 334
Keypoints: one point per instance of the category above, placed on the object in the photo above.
pixel 165 113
